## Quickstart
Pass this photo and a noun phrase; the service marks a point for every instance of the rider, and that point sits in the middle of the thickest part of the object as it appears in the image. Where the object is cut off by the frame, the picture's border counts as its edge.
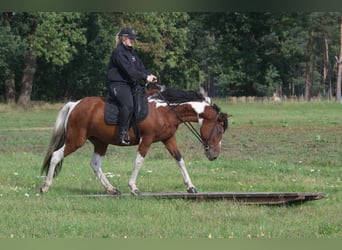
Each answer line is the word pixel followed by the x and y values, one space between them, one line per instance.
pixel 124 71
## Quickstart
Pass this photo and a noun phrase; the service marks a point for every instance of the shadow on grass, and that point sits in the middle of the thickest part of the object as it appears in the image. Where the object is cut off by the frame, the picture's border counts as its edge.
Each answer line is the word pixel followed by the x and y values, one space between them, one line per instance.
pixel 76 191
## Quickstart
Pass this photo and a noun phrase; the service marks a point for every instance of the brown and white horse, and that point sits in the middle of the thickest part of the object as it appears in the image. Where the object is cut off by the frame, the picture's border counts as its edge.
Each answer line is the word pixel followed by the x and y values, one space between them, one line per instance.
pixel 84 120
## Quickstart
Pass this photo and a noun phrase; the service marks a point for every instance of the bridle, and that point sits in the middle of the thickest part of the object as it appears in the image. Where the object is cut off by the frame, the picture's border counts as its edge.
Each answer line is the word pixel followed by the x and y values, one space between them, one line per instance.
pixel 206 144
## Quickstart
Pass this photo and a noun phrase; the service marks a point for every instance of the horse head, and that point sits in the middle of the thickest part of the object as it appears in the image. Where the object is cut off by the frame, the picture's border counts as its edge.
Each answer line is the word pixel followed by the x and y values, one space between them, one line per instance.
pixel 213 125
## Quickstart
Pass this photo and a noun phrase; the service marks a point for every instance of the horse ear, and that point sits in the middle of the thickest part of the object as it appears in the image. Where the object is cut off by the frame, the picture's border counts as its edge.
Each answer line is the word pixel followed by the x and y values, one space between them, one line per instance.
pixel 203 92
pixel 223 117
pixel 205 95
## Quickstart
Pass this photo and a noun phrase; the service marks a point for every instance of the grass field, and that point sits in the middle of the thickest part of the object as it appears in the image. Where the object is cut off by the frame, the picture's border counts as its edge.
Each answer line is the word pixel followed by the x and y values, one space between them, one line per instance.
pixel 285 147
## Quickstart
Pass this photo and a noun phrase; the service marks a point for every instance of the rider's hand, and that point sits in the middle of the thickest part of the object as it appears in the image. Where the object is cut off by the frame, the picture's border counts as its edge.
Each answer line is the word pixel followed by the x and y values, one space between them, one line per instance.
pixel 151 78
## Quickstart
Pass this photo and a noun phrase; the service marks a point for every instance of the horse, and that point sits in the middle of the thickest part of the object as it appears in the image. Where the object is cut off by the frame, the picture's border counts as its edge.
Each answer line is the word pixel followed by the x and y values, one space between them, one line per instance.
pixel 82 120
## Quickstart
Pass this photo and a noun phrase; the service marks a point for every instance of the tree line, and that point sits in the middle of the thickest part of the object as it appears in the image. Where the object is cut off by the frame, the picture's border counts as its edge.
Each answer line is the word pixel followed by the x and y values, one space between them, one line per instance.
pixel 57 56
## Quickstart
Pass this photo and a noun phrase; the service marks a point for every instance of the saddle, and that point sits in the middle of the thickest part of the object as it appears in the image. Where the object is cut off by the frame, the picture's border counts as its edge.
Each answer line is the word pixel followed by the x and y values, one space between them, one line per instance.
pixel 111 110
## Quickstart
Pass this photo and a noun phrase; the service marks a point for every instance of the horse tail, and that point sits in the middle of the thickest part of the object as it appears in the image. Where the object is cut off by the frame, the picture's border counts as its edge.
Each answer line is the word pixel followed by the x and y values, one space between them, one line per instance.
pixel 58 138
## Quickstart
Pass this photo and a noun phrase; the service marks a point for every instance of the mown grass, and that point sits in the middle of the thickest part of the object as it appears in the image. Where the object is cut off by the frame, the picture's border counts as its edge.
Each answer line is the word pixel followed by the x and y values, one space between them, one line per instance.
pixel 290 147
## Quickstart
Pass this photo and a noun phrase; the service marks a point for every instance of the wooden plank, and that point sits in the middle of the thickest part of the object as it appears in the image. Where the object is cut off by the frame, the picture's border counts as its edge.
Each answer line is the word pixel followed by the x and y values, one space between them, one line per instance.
pixel 244 197
pixel 267 198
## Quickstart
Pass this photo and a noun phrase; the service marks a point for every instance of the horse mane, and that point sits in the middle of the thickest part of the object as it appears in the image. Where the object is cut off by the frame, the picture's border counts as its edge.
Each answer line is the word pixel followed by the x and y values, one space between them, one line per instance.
pixel 175 95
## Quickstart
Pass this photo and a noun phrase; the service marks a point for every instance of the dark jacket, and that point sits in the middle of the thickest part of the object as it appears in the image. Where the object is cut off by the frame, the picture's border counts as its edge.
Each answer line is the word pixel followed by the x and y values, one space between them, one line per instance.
pixel 125 66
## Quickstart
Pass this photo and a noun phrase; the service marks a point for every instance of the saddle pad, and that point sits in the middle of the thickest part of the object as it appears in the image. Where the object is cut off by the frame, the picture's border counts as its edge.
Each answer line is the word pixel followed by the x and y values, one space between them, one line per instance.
pixel 111 113
pixel 111 110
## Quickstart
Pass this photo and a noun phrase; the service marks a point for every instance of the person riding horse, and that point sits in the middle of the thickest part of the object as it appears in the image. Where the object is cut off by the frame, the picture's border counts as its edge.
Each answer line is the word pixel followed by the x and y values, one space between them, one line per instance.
pixel 125 70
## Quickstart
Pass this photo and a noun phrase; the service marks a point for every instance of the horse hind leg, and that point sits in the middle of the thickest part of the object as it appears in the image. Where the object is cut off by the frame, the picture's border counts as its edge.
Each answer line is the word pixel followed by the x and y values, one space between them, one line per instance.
pixel 56 158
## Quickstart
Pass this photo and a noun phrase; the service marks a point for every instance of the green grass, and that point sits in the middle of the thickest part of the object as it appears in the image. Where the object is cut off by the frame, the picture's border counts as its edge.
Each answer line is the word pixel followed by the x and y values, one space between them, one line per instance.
pixel 268 147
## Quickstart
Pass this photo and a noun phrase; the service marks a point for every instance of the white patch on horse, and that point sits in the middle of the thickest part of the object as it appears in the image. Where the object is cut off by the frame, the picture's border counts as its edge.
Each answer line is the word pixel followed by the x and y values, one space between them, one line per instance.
pixel 208 100
pixel 158 103
pixel 186 177
pixel 96 163
pixel 198 107
pixel 57 156
pixel 139 160
pixel 73 105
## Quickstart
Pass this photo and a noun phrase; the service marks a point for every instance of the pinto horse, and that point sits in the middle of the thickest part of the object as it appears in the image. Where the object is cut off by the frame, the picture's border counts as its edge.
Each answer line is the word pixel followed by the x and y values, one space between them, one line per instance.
pixel 84 120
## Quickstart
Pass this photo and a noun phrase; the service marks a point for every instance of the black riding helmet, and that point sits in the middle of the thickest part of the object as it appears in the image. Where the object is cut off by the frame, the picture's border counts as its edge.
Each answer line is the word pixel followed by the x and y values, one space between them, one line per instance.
pixel 130 33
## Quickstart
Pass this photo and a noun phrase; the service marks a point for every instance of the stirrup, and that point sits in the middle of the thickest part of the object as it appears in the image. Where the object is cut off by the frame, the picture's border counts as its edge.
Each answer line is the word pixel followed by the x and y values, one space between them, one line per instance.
pixel 124 139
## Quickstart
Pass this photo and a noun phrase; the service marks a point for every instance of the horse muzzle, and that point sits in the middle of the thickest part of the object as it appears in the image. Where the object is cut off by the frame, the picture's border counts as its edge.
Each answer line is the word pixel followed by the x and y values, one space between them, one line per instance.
pixel 211 153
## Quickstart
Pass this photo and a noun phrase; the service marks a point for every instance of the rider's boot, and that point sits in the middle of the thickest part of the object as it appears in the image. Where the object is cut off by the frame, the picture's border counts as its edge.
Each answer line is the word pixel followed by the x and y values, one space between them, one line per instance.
pixel 124 122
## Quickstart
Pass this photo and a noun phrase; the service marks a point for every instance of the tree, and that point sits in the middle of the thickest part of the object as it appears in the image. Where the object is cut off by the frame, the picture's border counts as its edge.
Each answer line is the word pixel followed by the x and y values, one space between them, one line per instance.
pixel 163 46
pixel 61 56
pixel 339 63
pixel 48 35
pixel 308 66
pixel 54 37
pixel 11 51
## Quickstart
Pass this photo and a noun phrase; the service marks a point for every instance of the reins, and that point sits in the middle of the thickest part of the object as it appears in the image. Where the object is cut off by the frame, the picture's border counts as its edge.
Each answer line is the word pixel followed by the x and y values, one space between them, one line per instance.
pixel 188 124
pixel 193 130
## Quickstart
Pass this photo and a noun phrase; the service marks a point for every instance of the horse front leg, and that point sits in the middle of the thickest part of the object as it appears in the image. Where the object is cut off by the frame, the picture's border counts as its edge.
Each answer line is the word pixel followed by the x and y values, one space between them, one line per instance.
pixel 96 163
pixel 100 149
pixel 139 160
pixel 190 188
pixel 171 146
pixel 144 145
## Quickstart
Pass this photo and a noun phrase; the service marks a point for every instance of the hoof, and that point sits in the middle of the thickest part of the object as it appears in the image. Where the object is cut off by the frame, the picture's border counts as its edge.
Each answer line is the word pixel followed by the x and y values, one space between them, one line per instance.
pixel 44 189
pixel 115 192
pixel 192 190
pixel 135 192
